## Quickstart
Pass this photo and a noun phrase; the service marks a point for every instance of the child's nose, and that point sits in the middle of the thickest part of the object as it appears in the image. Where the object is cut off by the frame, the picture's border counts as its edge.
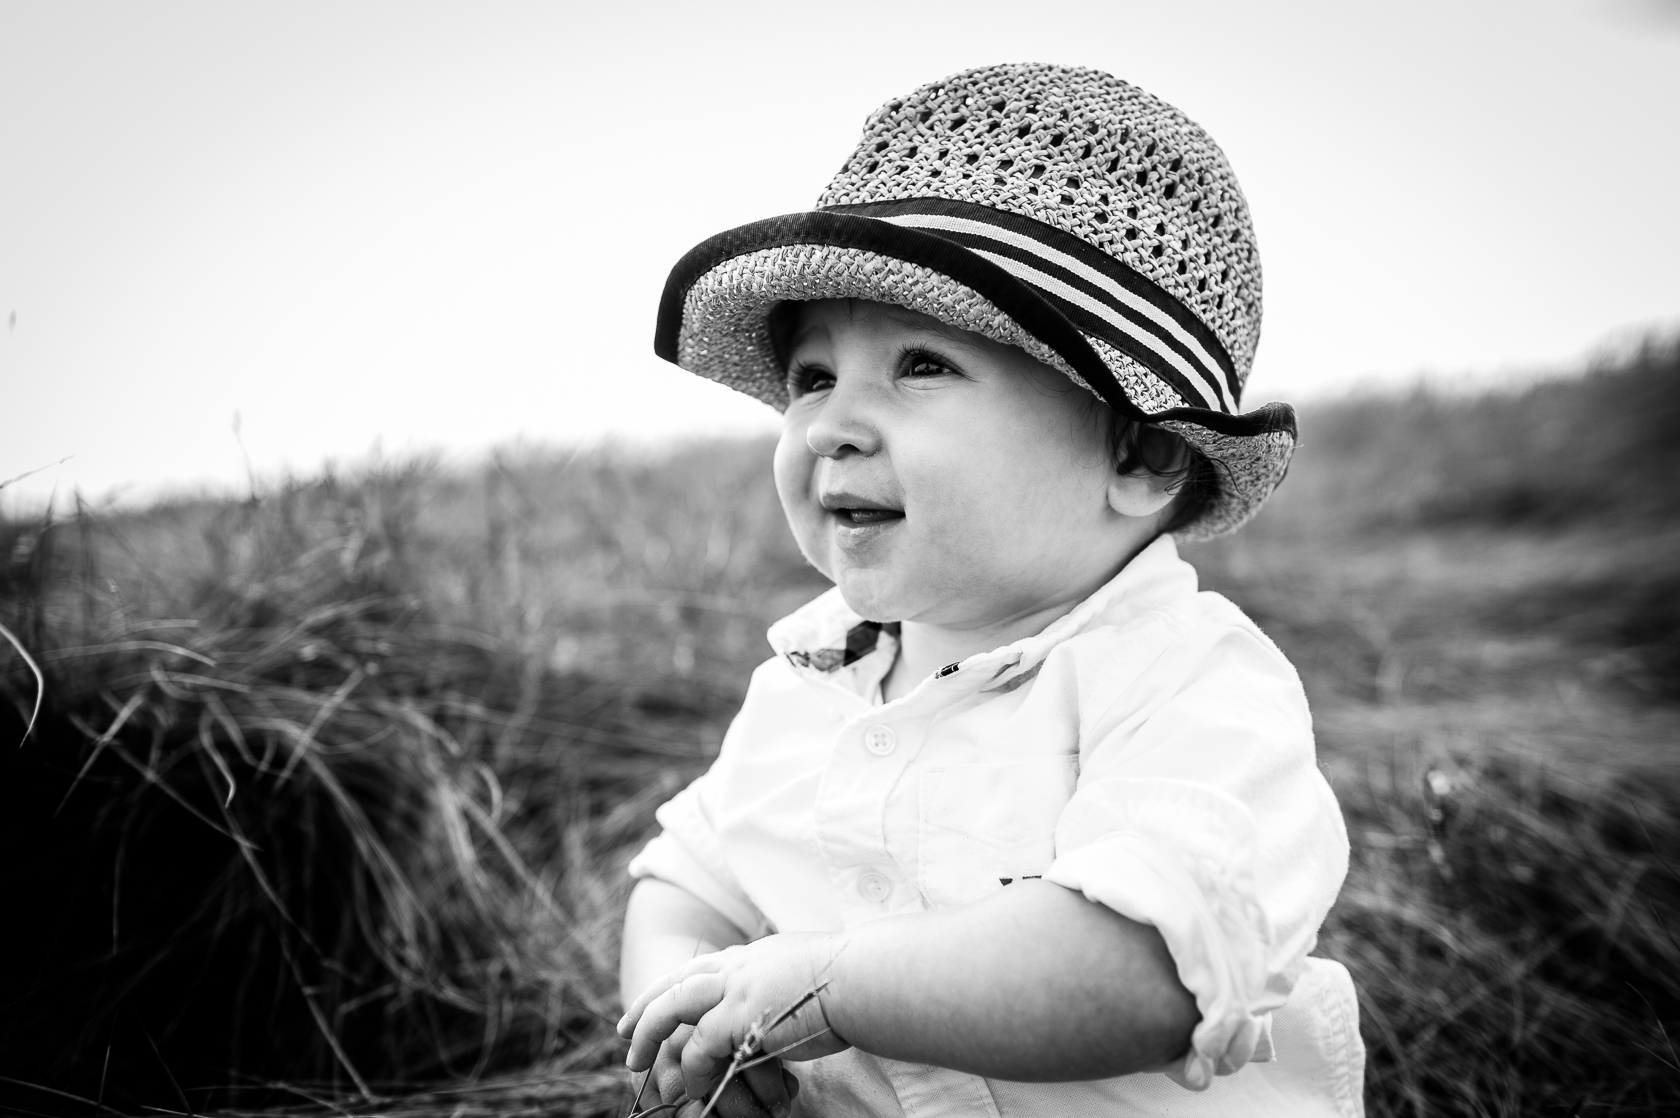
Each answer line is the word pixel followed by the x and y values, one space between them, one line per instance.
pixel 843 426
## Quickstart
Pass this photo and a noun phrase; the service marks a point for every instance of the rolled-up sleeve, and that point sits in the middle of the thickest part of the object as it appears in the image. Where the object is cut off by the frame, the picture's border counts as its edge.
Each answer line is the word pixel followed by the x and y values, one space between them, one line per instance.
pixel 1206 816
pixel 686 853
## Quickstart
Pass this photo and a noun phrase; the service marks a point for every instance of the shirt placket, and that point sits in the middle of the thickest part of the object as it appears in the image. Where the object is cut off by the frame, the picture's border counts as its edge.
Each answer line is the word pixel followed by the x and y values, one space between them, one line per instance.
pixel 870 755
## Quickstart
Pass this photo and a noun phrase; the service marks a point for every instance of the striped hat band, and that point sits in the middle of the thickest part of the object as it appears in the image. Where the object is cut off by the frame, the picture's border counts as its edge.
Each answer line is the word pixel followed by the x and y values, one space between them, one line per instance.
pixel 1097 293
pixel 1060 289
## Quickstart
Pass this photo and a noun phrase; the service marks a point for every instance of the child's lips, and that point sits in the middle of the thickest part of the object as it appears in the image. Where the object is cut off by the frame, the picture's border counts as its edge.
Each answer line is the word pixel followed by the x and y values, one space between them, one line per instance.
pixel 859 517
pixel 859 526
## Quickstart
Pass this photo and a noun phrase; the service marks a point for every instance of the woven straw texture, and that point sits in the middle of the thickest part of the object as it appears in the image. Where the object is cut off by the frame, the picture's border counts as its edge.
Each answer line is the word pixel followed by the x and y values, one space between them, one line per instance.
pixel 1075 149
pixel 1089 154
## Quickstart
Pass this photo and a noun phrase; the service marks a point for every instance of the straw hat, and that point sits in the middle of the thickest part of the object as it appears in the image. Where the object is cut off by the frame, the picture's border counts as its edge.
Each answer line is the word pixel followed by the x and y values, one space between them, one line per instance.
pixel 1056 209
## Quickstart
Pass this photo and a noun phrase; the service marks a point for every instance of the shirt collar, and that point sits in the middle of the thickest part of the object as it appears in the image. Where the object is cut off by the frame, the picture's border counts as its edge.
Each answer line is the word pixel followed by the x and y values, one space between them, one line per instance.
pixel 827 639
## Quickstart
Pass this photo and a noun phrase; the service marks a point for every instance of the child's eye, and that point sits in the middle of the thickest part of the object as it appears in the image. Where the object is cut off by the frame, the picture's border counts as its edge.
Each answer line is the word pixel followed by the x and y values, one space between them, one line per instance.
pixel 920 364
pixel 808 378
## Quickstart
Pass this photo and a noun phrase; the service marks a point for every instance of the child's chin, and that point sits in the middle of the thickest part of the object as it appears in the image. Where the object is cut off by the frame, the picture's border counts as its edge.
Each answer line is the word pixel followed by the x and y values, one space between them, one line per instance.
pixel 865 596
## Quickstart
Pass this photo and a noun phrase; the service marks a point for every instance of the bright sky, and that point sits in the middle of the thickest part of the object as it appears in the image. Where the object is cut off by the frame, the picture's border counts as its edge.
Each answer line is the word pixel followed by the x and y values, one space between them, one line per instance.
pixel 446 225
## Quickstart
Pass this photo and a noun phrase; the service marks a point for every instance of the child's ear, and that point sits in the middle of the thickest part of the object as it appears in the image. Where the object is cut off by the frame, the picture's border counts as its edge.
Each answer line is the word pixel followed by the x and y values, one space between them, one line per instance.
pixel 1140 494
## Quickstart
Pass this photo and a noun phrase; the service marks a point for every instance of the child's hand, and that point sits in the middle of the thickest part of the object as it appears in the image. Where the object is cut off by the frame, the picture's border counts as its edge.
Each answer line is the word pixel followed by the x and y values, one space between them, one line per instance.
pixel 761 1090
pixel 730 998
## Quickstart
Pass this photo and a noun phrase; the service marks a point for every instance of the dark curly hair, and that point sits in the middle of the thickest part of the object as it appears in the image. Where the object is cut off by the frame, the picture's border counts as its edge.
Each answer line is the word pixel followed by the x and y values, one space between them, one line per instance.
pixel 1135 446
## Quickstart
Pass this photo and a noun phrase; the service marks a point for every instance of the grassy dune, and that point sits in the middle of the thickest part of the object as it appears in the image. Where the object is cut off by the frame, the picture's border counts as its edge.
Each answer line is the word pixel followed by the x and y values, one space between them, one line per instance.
pixel 1483 598
pixel 331 791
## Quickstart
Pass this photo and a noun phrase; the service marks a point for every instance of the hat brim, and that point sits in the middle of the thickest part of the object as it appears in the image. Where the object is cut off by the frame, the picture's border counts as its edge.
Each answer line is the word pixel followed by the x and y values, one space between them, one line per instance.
pixel 714 322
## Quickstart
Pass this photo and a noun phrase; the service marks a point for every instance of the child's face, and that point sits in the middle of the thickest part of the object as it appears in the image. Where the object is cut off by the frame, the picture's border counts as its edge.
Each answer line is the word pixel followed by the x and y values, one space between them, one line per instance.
pixel 940 477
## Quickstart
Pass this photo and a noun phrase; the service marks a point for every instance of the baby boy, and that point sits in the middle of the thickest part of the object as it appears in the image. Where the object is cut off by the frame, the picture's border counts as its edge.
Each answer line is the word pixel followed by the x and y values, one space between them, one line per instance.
pixel 1038 822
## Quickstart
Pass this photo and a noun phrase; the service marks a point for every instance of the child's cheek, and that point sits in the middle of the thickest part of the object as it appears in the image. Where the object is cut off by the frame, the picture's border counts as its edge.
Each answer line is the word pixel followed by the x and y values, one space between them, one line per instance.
pixel 794 468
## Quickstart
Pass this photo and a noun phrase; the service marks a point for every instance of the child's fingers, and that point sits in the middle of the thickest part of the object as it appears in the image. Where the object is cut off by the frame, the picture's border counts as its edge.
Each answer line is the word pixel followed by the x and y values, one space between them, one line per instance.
pixel 761 1091
pixel 704 964
pixel 706 1056
pixel 685 1002
pixel 667 1067
pixel 769 1086
pixel 737 1102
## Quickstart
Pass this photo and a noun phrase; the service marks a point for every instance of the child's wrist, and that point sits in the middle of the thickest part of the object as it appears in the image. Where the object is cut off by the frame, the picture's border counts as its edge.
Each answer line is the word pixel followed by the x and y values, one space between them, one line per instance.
pixel 838 988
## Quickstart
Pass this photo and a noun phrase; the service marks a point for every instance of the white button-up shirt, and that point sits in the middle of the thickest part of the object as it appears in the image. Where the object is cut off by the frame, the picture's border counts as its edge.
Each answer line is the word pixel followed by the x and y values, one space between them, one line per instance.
pixel 1151 749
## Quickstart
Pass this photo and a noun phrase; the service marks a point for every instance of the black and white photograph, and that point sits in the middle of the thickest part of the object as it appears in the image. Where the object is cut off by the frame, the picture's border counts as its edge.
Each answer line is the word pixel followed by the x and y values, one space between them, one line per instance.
pixel 661 560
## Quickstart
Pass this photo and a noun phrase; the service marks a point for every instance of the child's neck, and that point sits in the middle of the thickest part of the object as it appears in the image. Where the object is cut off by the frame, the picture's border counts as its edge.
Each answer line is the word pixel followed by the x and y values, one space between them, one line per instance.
pixel 926 647
pixel 923 649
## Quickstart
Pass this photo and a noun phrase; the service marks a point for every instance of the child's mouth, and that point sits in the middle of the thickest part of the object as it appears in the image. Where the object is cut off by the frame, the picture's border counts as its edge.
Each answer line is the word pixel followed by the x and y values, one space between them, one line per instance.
pixel 861 517
pixel 857 516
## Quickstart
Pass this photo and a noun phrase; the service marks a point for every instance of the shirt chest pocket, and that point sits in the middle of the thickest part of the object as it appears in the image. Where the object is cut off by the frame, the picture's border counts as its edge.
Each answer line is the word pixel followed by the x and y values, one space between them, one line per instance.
pixel 982 827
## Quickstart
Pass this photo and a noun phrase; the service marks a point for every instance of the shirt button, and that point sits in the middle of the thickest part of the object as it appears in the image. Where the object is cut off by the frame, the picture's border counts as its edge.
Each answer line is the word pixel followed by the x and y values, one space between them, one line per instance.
pixel 880 740
pixel 874 887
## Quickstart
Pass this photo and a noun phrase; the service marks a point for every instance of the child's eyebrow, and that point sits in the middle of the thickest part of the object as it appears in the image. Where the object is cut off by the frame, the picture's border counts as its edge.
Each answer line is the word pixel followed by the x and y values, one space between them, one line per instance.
pixel 910 320
pixel 927 324
pixel 808 330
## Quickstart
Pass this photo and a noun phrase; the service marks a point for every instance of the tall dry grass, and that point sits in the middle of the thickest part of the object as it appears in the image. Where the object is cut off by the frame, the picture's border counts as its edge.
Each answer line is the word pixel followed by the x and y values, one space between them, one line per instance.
pixel 1482 597
pixel 279 822
pixel 445 705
